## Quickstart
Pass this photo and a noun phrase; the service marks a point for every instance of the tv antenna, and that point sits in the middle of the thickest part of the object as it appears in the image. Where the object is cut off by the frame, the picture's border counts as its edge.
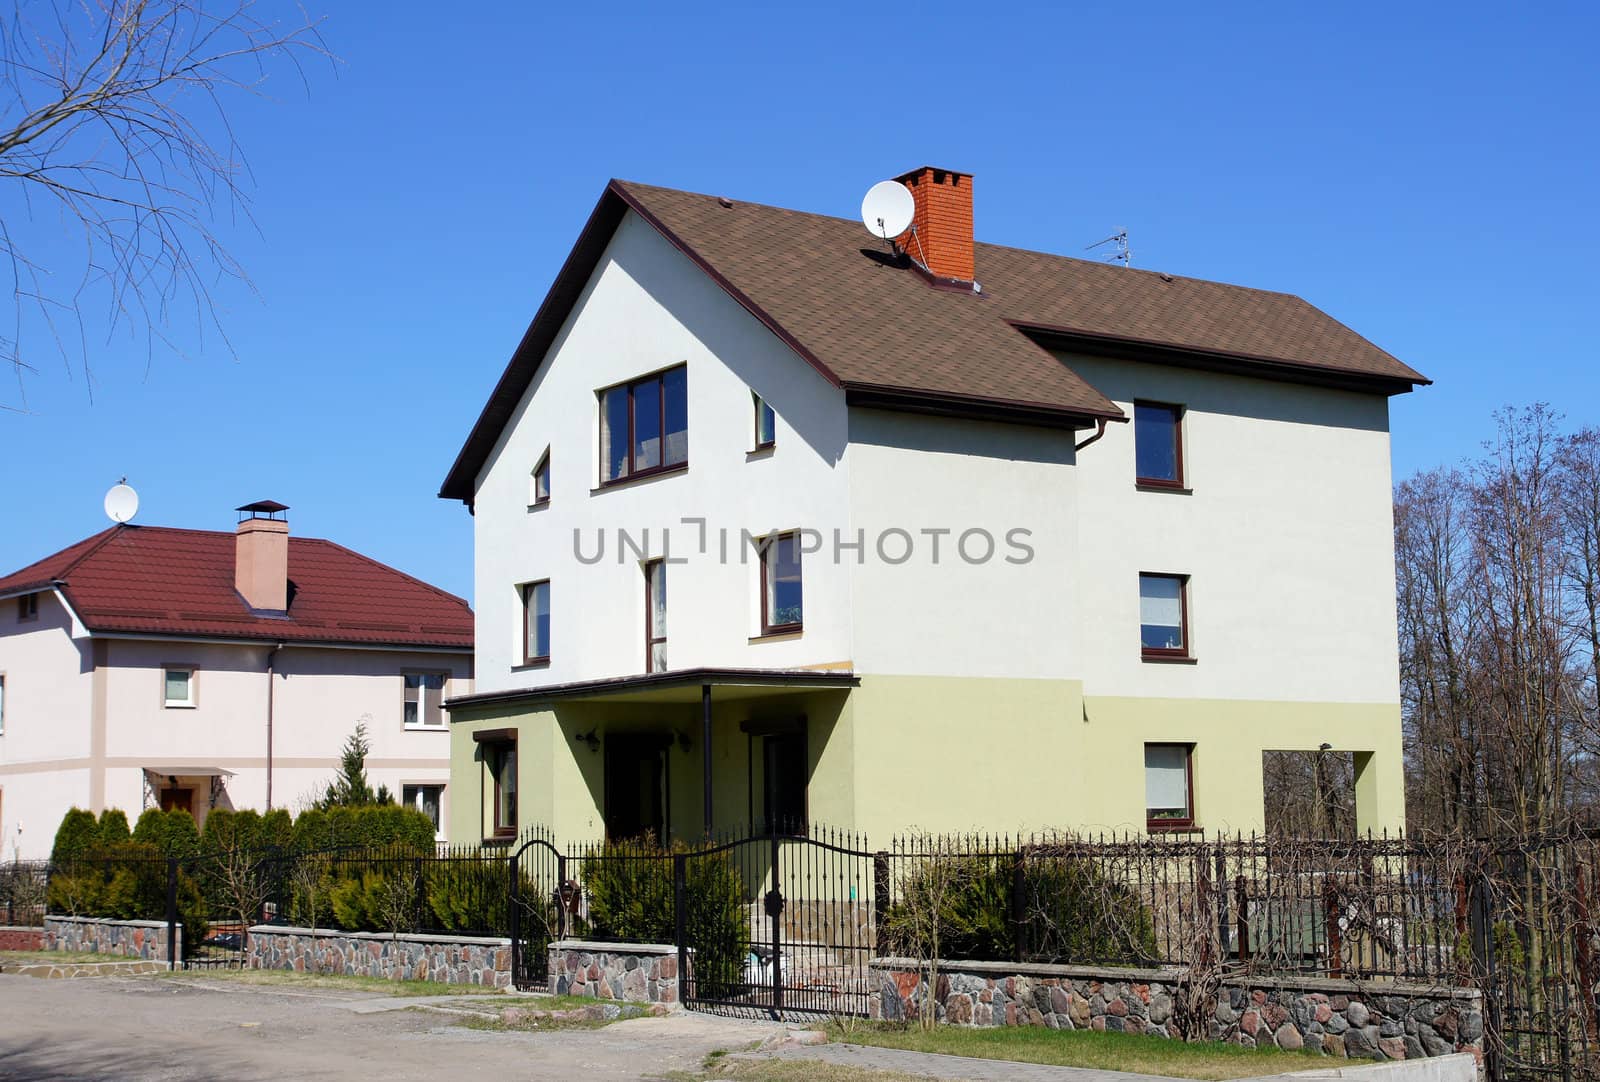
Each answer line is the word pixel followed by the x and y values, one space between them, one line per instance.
pixel 122 502
pixel 1120 252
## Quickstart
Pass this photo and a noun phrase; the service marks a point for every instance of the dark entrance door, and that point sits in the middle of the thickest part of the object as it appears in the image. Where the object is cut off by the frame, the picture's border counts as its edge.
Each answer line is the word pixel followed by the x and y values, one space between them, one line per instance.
pixel 182 799
pixel 636 786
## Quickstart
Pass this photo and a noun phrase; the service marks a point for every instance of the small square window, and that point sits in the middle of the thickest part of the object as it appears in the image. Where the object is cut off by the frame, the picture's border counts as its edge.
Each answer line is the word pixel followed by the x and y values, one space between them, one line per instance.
pixel 28 607
pixel 539 482
pixel 178 686
pixel 423 706
pixel 1168 786
pixel 536 623
pixel 427 799
pixel 1164 616
pixel 766 423
pixel 1158 444
pixel 781 610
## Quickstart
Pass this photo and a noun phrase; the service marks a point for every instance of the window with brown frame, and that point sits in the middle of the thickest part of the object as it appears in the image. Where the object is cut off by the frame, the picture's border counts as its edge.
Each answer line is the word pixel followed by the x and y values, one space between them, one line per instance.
pixel 28 607
pixel 766 423
pixel 502 761
pixel 1164 616
pixel 644 426
pixel 536 622
pixel 539 482
pixel 1158 444
pixel 655 616
pixel 781 609
pixel 1169 786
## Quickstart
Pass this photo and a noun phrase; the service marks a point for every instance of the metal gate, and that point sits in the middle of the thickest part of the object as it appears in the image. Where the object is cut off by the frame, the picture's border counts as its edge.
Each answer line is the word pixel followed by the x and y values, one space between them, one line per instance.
pixel 540 911
pixel 805 906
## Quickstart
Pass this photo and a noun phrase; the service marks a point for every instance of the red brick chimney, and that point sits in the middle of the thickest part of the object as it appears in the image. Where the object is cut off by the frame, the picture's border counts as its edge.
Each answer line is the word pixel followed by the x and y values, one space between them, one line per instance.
pixel 941 234
pixel 261 556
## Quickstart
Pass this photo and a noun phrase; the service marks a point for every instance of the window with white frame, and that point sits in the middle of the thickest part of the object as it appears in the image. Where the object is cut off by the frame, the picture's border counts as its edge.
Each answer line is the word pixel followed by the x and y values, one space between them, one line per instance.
pixel 178 686
pixel 424 699
pixel 427 799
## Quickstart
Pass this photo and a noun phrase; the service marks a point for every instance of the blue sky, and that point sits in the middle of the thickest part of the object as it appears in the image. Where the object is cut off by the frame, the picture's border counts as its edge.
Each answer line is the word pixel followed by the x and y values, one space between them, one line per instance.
pixel 1427 175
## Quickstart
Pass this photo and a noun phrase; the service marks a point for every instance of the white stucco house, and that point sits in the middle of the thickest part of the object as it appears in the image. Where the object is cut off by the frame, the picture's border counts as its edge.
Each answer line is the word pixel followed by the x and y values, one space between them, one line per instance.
pixel 156 667
pixel 780 523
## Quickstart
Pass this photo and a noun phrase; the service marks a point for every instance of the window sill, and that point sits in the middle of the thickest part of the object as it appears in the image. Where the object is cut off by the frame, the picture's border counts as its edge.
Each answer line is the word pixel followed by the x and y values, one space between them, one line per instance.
pixel 1161 827
pixel 639 478
pixel 499 841
pixel 178 706
pixel 539 506
pixel 777 636
pixel 1176 488
pixel 764 451
pixel 536 663
pixel 1169 659
pixel 420 728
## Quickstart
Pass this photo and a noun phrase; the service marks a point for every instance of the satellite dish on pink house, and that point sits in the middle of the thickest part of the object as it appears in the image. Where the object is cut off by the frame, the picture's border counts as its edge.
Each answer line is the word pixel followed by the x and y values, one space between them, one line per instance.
pixel 887 209
pixel 122 502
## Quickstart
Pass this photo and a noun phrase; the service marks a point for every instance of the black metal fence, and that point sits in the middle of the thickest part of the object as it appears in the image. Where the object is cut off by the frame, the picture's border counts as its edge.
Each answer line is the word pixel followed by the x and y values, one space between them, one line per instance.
pixel 23 887
pixel 790 922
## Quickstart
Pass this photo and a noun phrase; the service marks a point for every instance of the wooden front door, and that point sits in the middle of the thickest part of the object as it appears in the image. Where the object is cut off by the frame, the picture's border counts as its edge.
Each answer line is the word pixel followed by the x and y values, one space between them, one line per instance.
pixel 182 799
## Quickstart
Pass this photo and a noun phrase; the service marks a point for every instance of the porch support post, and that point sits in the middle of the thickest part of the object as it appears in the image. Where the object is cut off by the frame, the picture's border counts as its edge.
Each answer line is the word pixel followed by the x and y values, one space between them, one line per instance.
pixel 705 750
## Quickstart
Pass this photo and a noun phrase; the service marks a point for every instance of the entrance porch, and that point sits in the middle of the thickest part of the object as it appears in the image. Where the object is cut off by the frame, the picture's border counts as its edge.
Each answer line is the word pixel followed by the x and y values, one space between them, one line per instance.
pixel 675 755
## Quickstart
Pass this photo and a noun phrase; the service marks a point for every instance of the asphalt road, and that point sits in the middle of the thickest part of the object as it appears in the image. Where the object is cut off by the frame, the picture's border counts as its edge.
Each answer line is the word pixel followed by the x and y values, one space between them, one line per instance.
pixel 181 1028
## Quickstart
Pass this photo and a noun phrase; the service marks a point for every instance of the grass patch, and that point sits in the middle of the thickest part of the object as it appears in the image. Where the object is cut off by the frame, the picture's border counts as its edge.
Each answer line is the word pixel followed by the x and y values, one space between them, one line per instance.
pixel 543 1025
pixel 289 979
pixel 1081 1048
pixel 17 958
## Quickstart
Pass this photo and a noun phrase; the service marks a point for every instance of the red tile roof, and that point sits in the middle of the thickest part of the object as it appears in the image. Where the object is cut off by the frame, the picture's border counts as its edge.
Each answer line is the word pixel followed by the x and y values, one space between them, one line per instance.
pixel 874 328
pixel 160 581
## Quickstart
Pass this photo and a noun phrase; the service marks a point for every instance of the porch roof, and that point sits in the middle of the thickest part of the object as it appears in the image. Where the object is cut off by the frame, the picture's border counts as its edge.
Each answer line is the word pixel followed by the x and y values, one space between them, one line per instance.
pixel 679 686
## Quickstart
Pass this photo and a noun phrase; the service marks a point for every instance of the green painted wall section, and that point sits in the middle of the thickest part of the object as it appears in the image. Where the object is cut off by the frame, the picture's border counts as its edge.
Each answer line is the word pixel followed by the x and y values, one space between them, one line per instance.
pixel 939 754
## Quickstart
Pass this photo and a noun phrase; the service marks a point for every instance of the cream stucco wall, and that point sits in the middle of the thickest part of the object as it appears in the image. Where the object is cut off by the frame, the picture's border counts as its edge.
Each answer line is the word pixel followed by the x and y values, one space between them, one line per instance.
pixel 647 308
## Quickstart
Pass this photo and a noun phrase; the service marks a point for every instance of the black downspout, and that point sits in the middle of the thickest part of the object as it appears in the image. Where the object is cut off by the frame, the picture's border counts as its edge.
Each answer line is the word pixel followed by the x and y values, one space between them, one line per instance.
pixel 705 744
pixel 1099 430
pixel 272 656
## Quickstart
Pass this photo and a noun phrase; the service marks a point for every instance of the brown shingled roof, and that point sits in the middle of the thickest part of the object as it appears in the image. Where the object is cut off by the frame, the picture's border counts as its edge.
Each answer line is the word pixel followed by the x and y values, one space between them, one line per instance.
pixel 160 581
pixel 876 328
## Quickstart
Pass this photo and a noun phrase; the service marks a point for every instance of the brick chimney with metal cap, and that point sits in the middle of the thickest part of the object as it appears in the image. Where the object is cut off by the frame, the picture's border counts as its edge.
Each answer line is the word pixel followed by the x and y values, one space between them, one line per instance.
pixel 940 237
pixel 261 556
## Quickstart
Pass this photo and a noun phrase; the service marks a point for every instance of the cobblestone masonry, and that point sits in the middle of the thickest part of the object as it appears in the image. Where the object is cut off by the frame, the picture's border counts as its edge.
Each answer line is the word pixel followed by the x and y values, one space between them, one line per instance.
pixel 63 970
pixel 1344 1019
pixel 447 959
pixel 146 939
pixel 640 972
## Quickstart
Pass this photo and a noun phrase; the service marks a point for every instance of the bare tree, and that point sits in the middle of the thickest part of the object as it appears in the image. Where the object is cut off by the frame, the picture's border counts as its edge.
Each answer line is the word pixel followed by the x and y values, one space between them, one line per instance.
pixel 116 129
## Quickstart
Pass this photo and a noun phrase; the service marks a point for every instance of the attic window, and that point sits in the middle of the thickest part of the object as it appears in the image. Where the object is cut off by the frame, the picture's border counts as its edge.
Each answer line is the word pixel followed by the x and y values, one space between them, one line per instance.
pixel 644 426
pixel 539 483
pixel 28 607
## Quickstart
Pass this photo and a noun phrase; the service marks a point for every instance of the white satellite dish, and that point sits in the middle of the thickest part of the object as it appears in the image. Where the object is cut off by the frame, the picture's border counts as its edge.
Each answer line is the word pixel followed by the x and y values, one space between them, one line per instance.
pixel 887 209
pixel 122 502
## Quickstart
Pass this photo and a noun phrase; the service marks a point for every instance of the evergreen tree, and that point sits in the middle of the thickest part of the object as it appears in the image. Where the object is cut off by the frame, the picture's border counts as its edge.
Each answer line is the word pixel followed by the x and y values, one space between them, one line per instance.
pixel 350 789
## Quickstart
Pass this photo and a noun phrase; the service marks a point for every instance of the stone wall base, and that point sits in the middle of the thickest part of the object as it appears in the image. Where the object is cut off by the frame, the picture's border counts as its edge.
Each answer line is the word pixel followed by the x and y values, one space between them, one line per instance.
pixel 1342 1019
pixel 638 972
pixel 146 939
pixel 447 959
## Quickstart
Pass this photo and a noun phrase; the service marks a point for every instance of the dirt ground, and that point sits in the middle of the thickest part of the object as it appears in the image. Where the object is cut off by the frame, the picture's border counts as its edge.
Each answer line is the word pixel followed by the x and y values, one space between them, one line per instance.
pixel 191 1027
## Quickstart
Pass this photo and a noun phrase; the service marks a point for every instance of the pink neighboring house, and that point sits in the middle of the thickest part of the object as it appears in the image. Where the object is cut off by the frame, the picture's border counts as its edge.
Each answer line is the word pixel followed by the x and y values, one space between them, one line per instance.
pixel 154 667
